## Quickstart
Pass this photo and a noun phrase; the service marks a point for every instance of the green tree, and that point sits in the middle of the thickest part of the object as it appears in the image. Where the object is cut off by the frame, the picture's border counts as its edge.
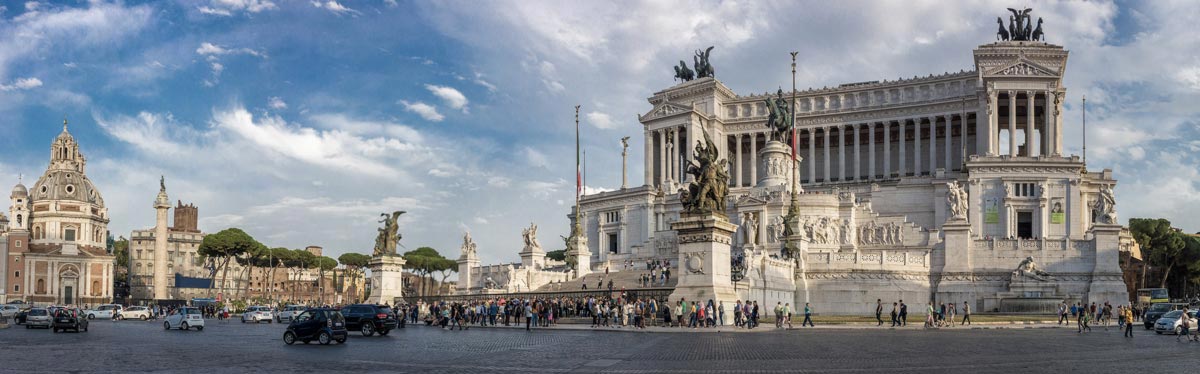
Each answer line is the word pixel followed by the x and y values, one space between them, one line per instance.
pixel 225 246
pixel 356 265
pixel 121 252
pixel 424 261
pixel 559 255
pixel 1165 247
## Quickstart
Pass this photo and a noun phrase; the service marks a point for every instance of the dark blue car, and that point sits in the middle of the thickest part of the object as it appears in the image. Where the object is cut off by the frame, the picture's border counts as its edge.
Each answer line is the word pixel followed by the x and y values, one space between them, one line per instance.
pixel 321 324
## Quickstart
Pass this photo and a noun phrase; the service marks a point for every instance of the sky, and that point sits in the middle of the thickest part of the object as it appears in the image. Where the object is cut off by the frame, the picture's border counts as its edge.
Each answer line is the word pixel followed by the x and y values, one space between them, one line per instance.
pixel 301 121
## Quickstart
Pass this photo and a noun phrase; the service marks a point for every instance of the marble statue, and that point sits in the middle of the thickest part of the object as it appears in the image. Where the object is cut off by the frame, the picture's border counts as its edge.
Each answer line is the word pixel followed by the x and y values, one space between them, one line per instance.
pixel 776 229
pixel 389 236
pixel 468 246
pixel 1106 206
pixel 956 199
pixel 1028 269
pixel 530 236
pixel 750 227
pixel 710 185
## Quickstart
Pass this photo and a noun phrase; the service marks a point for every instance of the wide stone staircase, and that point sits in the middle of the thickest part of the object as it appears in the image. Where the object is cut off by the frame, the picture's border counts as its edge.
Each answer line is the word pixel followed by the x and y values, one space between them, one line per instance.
pixel 628 279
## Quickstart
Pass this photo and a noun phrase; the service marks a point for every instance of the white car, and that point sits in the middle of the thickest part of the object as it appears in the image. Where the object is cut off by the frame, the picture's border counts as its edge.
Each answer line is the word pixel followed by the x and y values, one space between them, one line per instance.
pixel 9 310
pixel 289 312
pixel 104 311
pixel 184 318
pixel 257 314
pixel 136 312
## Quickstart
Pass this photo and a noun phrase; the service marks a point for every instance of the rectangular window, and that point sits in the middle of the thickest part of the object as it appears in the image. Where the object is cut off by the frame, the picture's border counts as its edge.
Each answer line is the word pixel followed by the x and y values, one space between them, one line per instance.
pixel 18 244
pixel 69 235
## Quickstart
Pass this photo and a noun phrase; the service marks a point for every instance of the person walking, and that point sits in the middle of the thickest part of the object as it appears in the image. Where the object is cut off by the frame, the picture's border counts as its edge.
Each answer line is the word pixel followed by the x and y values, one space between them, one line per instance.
pixel 1062 313
pixel 721 312
pixel 1185 325
pixel 903 314
pixel 778 314
pixel 966 314
pixel 807 316
pixel 754 315
pixel 787 314
pixel 895 314
pixel 737 313
pixel 879 311
pixel 528 315
pixel 1128 314
pixel 679 307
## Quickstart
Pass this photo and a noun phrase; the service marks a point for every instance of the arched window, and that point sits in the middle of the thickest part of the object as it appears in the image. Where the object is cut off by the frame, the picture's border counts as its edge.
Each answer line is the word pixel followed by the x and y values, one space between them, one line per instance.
pixel 41 286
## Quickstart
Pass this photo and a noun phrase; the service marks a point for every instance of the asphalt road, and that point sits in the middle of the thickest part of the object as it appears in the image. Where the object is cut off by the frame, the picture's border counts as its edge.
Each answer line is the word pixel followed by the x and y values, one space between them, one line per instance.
pixel 229 347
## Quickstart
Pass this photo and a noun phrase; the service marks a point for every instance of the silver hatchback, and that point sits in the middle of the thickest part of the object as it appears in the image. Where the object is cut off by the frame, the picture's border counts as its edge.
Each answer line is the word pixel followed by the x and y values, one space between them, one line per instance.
pixel 38 317
pixel 1171 323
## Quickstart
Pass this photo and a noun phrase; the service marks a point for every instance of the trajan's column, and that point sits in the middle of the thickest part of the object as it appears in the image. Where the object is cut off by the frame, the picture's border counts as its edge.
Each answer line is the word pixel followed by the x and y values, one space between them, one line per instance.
pixel 161 205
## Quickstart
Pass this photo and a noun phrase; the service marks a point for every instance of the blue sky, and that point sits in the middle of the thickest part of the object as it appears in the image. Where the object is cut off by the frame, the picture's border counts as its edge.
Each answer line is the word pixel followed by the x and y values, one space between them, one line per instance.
pixel 301 121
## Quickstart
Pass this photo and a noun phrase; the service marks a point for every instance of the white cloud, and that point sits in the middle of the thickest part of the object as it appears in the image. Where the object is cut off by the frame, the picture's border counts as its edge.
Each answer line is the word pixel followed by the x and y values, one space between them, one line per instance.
pixel 424 110
pixel 335 7
pixel 22 84
pixel 228 7
pixel 449 95
pixel 601 120
pixel 480 81
pixel 210 49
pixel 274 102
pixel 536 158
pixel 32 35
pixel 498 181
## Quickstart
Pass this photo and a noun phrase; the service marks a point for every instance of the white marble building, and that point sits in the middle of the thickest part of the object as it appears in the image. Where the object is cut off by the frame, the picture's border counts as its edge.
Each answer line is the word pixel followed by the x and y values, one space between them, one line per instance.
pixel 876 160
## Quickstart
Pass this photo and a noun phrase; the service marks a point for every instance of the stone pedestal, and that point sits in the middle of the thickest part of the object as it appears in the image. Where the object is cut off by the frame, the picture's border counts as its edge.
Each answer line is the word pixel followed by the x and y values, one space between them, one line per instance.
pixel 957 281
pixel 776 163
pixel 1107 283
pixel 532 257
pixel 582 256
pixel 704 269
pixel 387 284
pixel 466 280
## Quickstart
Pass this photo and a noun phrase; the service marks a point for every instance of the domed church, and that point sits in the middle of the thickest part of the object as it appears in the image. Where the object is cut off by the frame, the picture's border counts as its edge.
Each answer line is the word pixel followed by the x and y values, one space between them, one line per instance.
pixel 56 251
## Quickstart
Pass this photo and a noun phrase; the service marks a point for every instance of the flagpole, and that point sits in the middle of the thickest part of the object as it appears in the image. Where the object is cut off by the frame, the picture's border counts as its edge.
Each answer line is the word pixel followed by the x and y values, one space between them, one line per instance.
pixel 1085 132
pixel 792 115
pixel 578 177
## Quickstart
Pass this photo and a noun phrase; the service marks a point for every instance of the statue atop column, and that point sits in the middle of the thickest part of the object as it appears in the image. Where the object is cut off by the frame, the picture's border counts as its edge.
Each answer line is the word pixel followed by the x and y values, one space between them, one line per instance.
pixel 468 246
pixel 1106 206
pixel 530 236
pixel 389 235
pixel 707 191
pixel 779 118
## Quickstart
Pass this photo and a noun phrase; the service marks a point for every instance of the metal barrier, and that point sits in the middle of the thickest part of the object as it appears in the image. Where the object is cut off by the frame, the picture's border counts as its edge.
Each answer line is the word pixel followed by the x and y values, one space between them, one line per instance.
pixel 657 293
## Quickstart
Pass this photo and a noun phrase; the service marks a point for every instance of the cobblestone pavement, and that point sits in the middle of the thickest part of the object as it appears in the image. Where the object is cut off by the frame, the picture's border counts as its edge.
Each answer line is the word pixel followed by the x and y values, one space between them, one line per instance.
pixel 226 347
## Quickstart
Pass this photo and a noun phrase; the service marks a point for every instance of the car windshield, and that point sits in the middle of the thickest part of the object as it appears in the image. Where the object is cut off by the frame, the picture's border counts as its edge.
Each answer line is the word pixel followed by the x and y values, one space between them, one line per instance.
pixel 1173 314
pixel 191 311
pixel 255 309
pixel 37 312
pixel 384 310
pixel 1160 307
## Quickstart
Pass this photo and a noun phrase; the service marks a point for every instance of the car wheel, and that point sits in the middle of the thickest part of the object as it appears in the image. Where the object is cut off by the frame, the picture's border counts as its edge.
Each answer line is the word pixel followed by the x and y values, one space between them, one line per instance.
pixel 289 338
pixel 166 325
pixel 368 329
pixel 184 326
pixel 143 318
pixel 324 338
pixel 384 332
pixel 1179 331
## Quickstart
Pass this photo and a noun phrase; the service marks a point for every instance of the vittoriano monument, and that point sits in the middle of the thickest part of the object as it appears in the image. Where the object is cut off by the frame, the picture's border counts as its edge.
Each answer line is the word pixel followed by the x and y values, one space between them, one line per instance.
pixel 386 265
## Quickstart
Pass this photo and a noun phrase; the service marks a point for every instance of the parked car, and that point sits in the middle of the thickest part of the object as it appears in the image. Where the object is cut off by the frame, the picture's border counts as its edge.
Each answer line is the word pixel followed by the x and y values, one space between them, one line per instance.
pixel 289 312
pixel 70 319
pixel 1171 322
pixel 38 317
pixel 321 324
pixel 105 311
pixel 136 312
pixel 1158 310
pixel 257 314
pixel 184 318
pixel 369 318
pixel 9 311
pixel 21 316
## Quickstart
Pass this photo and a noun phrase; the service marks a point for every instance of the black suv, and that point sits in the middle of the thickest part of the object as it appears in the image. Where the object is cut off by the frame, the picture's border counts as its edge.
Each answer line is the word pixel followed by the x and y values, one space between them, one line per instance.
pixel 369 318
pixel 325 325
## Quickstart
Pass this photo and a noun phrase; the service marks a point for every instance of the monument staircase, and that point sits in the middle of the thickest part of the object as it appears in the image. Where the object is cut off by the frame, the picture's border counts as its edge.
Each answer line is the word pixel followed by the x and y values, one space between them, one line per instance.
pixel 628 279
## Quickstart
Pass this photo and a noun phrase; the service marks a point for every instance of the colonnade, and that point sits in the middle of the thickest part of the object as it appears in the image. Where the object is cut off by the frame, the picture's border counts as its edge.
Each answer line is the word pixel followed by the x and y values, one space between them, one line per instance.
pixel 664 160
pixel 1032 111
pixel 850 152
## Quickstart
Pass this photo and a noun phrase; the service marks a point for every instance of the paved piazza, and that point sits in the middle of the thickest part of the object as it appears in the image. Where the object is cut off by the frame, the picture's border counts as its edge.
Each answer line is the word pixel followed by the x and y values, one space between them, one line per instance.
pixel 233 347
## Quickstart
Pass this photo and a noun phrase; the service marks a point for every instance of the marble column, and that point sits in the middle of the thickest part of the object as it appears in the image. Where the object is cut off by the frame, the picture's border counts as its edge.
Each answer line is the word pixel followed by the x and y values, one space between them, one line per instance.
pixel 950 139
pixel 933 145
pixel 1012 123
pixel 738 146
pixel 825 136
pixel 649 155
pixel 1046 140
pixel 1051 127
pixel 1029 106
pixel 871 150
pixel 675 156
pixel 903 167
pixel 917 147
pixel 661 143
pixel 812 155
pixel 857 155
pixel 841 153
pixel 887 149
pixel 753 158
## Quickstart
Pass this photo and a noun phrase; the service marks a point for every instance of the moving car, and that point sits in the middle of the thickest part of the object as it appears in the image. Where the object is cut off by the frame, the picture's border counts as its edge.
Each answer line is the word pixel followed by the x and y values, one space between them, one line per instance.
pixel 1171 322
pixel 184 318
pixel 321 324
pixel 105 311
pixel 1158 310
pixel 38 317
pixel 136 312
pixel 289 312
pixel 21 316
pixel 369 318
pixel 9 311
pixel 257 314
pixel 70 319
